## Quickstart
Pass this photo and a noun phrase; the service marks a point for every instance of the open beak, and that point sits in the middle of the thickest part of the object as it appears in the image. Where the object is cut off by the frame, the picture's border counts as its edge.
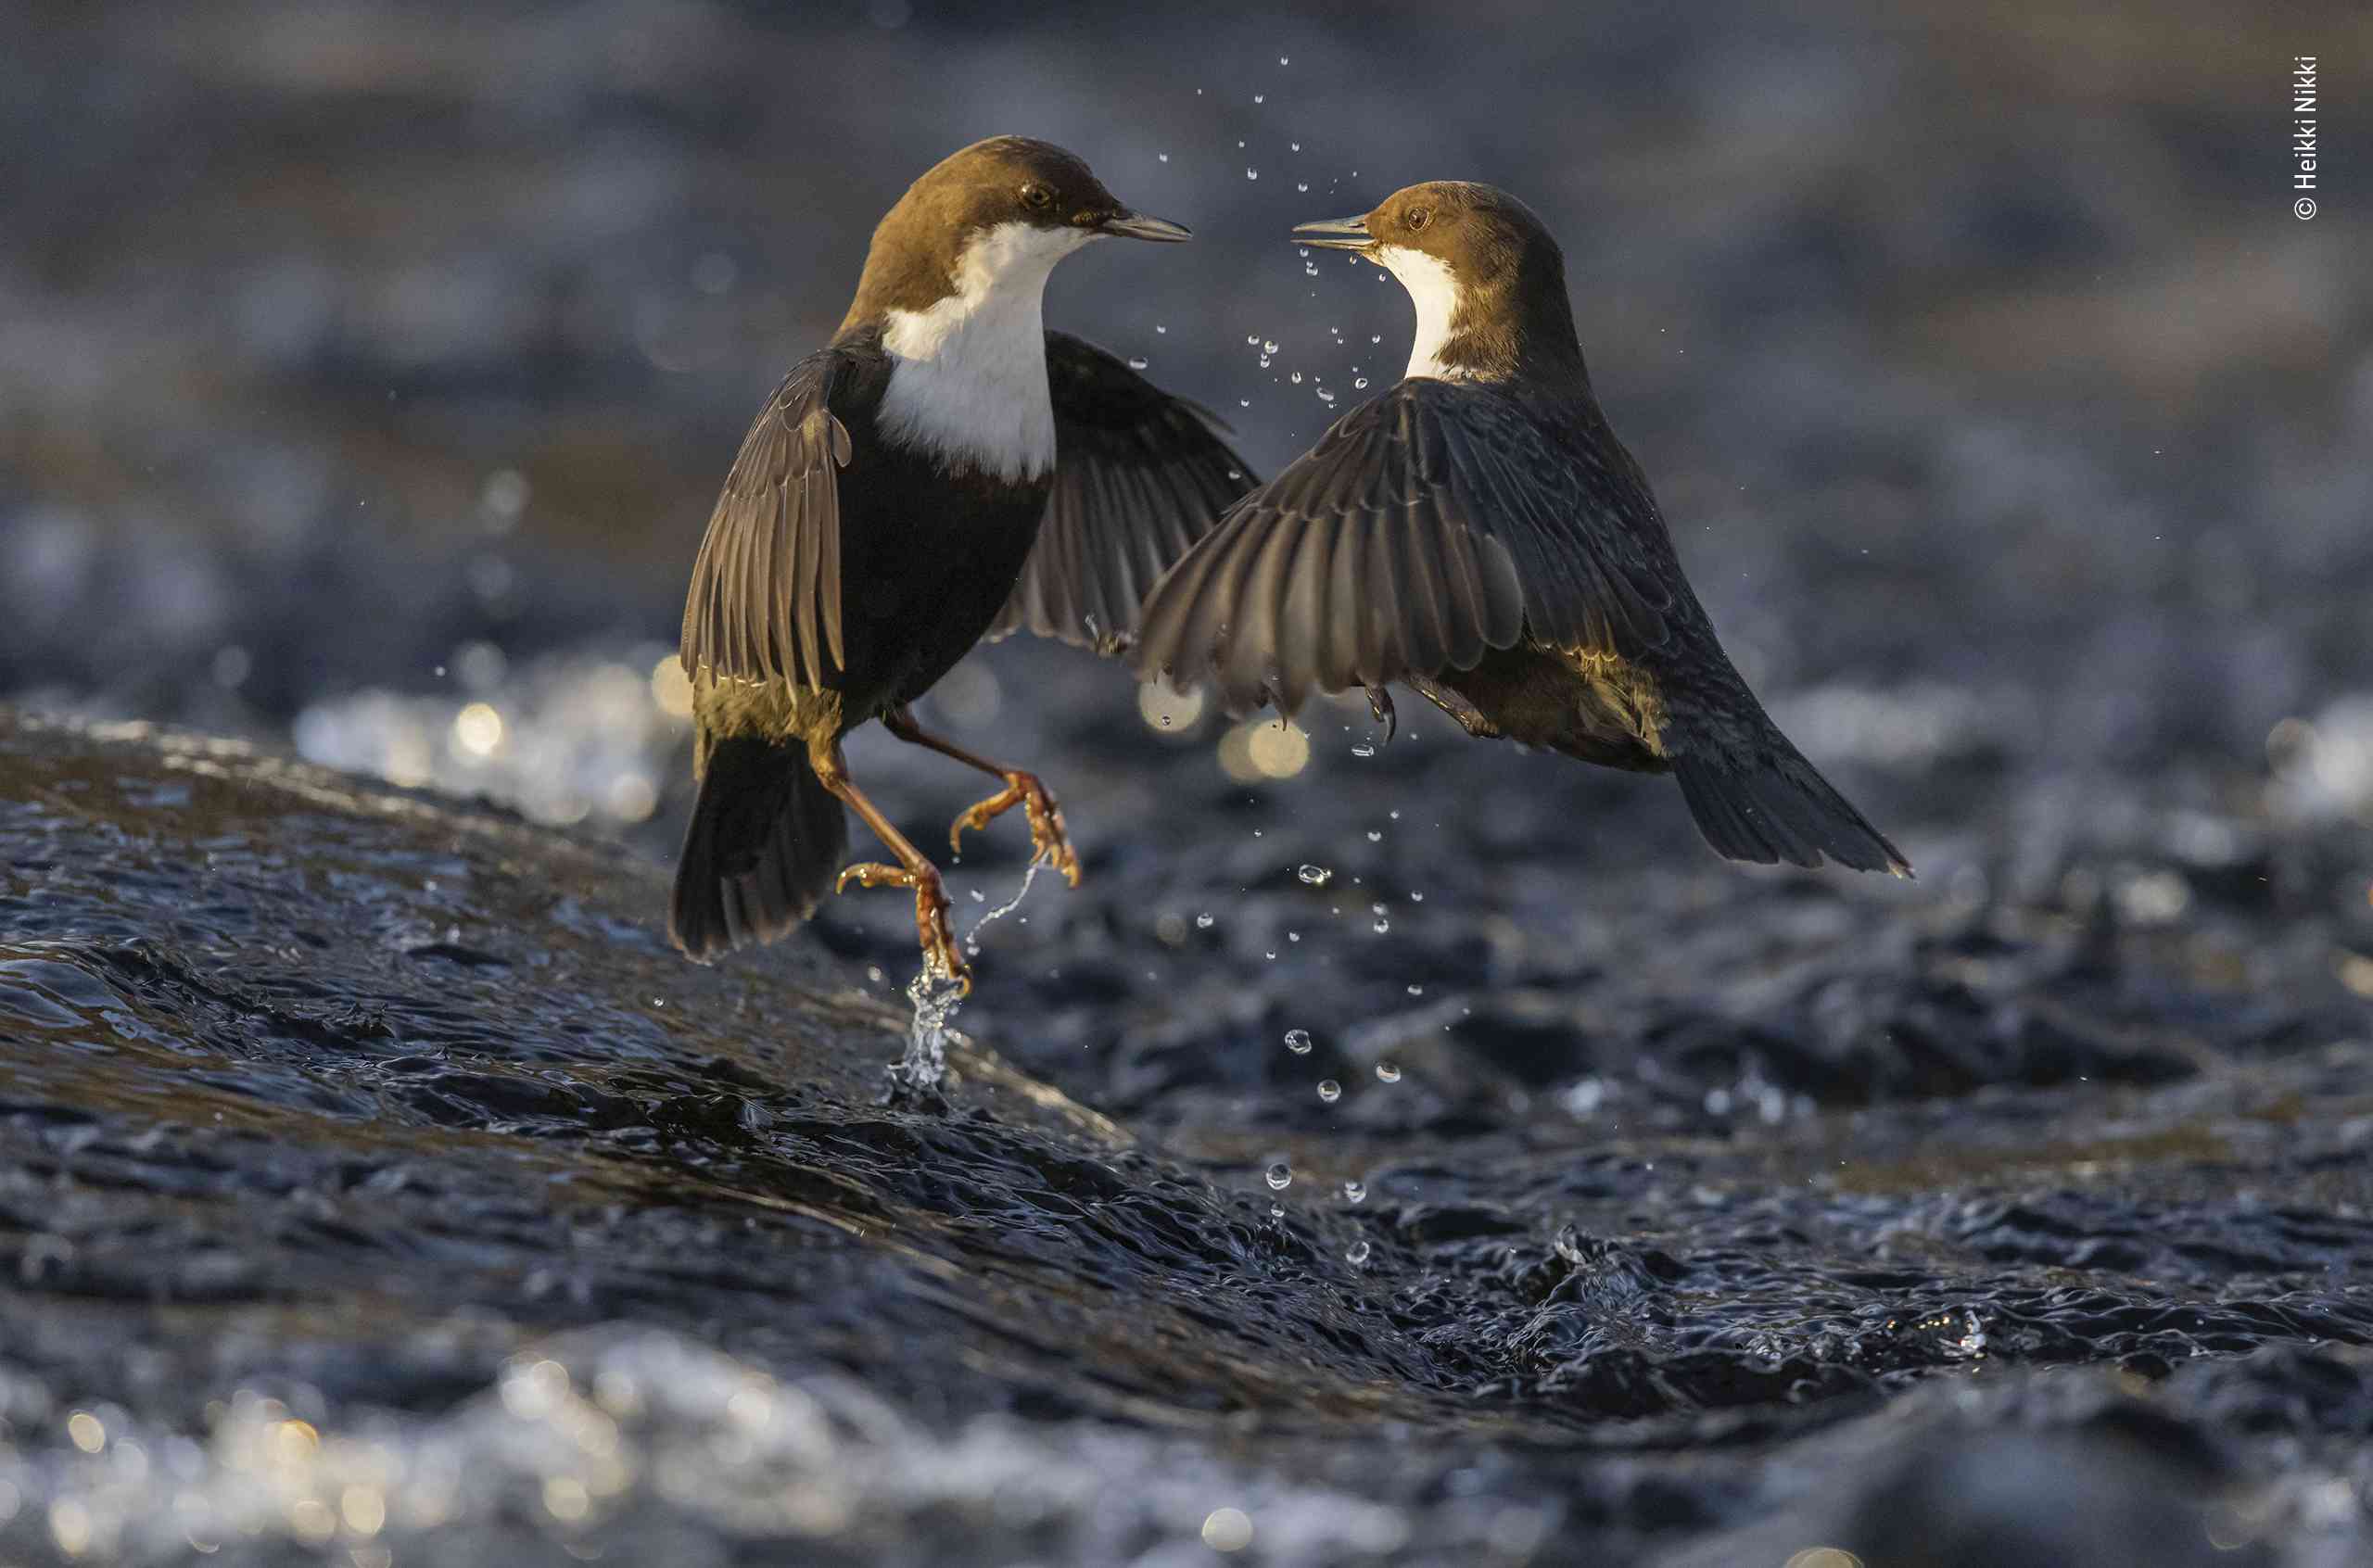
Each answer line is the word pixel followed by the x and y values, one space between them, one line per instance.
pixel 1137 225
pixel 1336 233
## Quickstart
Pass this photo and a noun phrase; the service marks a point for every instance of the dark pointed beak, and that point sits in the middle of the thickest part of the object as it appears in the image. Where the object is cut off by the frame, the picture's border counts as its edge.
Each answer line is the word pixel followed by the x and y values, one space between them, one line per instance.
pixel 1336 233
pixel 1137 225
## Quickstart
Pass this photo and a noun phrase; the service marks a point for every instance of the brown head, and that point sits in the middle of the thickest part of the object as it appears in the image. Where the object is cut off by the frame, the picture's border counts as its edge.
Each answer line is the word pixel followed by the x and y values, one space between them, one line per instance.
pixel 1486 275
pixel 995 214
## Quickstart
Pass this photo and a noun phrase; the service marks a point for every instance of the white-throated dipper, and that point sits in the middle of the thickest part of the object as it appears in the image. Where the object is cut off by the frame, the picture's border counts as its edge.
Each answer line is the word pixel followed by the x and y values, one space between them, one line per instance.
pixel 945 467
pixel 1477 533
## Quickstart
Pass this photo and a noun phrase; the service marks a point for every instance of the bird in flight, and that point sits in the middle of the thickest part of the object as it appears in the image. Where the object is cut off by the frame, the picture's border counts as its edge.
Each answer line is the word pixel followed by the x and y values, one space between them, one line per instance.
pixel 945 467
pixel 1477 535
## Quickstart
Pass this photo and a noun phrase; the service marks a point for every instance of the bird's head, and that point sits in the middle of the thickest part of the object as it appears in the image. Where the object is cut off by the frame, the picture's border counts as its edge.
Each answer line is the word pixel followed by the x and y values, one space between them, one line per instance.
pixel 993 218
pixel 1486 275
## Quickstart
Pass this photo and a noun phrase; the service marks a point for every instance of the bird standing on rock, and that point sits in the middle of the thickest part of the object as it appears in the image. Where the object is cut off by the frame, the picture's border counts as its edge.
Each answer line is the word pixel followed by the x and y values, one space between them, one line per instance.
pixel 1477 533
pixel 945 467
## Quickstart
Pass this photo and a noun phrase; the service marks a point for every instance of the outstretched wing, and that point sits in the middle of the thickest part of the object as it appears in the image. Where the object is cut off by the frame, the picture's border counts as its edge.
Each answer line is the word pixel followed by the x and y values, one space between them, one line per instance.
pixel 765 596
pixel 1437 521
pixel 1139 476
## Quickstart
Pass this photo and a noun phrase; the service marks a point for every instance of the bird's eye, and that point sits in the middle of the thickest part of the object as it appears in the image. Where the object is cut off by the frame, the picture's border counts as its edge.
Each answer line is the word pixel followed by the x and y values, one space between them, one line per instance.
pixel 1037 197
pixel 1416 219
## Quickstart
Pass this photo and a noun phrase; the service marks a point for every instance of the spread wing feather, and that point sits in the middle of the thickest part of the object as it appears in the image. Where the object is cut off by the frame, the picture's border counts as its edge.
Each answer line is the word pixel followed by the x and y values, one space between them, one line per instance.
pixel 1139 476
pixel 765 602
pixel 1436 521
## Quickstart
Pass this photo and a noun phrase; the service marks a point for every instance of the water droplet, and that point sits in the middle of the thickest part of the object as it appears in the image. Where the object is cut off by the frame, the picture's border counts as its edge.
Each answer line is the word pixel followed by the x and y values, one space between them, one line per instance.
pixel 1359 382
pixel 1364 748
pixel 1282 60
pixel 1417 898
pixel 1358 1254
pixel 1316 876
pixel 1296 146
pixel 1203 922
pixel 1329 1090
pixel 1297 378
pixel 1279 1176
pixel 1298 1042
pixel 1138 361
pixel 1416 991
pixel 1355 1192
pixel 1326 397
pixel 1302 184
pixel 1265 361
pixel 1260 97
pixel 1161 330
pixel 1164 156
pixel 1375 837
pixel 1293 936
pixel 1376 337
pixel 1276 1212
pixel 1388 1072
pixel 1252 338
pixel 1252 174
pixel 1382 925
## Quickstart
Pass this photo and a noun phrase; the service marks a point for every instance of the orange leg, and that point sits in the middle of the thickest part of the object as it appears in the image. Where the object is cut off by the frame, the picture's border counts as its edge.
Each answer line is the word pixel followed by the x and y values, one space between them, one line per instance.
pixel 1047 842
pixel 912 870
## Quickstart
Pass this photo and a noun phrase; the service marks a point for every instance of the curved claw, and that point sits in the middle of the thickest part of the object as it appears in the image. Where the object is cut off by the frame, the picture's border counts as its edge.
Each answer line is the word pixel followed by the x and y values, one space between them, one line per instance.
pixel 872 873
pixel 978 818
pixel 1048 844
pixel 931 927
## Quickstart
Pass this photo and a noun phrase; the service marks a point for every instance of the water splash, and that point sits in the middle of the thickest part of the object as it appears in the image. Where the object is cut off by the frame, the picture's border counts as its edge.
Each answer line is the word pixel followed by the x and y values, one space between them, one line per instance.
pixel 934 996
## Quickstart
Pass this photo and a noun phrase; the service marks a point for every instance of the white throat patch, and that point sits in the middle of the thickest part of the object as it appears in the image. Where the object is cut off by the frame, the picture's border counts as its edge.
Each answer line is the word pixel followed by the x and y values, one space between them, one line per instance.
pixel 968 377
pixel 1435 293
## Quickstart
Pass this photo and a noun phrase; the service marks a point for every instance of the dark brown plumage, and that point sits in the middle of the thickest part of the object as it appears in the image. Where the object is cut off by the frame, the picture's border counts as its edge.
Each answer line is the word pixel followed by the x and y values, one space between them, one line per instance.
pixel 1477 533
pixel 942 468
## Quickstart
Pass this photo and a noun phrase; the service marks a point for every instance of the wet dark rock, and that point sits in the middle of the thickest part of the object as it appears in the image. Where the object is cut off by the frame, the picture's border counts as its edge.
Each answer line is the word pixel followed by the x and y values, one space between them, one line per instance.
pixel 331 1102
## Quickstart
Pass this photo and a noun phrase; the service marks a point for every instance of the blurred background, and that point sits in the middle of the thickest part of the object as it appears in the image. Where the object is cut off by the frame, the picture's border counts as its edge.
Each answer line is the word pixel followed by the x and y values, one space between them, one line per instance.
pixel 367 375
pixel 367 370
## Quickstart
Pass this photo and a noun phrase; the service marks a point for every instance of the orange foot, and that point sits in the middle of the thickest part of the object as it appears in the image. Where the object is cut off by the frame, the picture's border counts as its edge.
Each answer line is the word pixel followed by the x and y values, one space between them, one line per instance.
pixel 1047 844
pixel 930 914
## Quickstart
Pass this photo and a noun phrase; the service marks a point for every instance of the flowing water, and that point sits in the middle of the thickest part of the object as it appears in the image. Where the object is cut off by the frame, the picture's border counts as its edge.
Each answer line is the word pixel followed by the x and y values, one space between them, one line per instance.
pixel 376 1187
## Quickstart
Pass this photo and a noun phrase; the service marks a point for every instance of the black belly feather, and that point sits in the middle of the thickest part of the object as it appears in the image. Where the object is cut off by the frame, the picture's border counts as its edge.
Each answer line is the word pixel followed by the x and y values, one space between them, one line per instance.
pixel 930 555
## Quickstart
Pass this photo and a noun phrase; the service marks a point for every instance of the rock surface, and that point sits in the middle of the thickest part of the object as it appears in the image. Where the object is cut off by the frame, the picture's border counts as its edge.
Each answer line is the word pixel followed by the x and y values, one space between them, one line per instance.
pixel 372 1177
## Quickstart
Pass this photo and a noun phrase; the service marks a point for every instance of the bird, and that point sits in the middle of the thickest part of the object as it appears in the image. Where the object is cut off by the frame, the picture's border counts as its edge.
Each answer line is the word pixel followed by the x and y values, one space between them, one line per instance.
pixel 945 468
pixel 1477 534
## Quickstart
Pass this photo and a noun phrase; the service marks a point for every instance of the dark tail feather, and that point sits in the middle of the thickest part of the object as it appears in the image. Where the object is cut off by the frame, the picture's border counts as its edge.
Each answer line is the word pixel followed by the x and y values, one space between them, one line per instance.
pixel 1781 809
pixel 766 841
